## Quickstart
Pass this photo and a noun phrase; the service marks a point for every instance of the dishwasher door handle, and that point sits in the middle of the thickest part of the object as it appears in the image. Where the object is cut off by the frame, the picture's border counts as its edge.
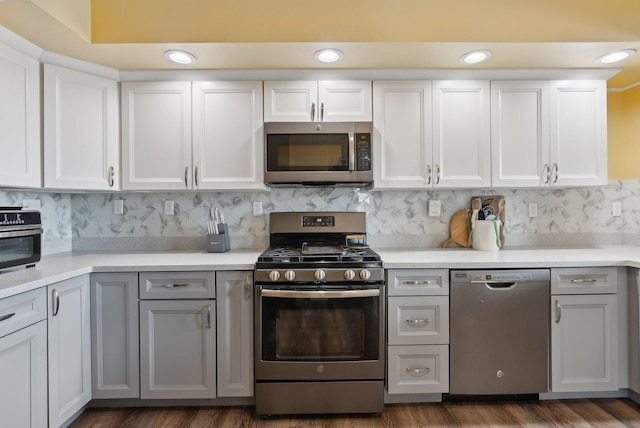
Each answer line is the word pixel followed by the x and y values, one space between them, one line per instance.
pixel 496 285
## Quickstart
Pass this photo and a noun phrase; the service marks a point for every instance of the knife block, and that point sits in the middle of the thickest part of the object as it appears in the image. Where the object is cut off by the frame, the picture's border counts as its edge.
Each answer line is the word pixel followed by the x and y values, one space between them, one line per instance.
pixel 219 243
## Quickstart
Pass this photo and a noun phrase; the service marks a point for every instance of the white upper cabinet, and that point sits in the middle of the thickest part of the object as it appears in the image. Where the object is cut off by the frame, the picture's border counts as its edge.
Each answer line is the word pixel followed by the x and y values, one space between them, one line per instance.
pixel 461 134
pixel 402 134
pixel 548 133
pixel 168 143
pixel 578 153
pixel 20 163
pixel 519 133
pixel 81 132
pixel 312 101
pixel 228 135
pixel 431 134
pixel 156 136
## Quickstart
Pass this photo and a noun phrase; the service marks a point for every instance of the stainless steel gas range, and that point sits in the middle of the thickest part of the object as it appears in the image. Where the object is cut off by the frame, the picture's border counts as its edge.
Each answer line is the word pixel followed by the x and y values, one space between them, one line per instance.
pixel 319 317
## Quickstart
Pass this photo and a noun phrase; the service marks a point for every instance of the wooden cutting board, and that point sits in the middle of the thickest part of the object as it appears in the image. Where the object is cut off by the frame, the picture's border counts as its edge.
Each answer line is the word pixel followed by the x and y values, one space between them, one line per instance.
pixel 459 229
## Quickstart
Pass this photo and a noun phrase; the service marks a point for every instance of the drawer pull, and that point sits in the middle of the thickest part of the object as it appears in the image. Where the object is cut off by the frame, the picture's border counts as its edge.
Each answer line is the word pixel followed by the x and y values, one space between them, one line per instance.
pixel 421 282
pixel 6 317
pixel 418 371
pixel 176 285
pixel 418 322
pixel 584 280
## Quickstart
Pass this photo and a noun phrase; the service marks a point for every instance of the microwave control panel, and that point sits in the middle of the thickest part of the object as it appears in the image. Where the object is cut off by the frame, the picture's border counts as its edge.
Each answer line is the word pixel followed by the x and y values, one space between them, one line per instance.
pixel 363 152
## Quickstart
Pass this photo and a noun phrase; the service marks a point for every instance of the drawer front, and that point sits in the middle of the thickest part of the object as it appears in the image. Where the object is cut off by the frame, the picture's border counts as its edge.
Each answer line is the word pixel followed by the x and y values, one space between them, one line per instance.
pixel 417 282
pixel 177 285
pixel 23 309
pixel 600 280
pixel 418 369
pixel 418 320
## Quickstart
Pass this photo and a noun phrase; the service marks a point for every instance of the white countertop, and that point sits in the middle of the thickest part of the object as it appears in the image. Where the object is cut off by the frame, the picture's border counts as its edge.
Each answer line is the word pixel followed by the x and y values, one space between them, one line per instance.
pixel 58 267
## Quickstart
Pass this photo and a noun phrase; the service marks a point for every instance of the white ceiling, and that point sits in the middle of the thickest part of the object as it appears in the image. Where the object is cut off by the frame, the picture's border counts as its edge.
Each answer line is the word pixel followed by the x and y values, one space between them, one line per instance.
pixel 403 35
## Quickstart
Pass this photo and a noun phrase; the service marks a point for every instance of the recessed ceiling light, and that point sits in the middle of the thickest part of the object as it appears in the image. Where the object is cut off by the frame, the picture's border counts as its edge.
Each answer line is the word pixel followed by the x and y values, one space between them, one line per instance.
pixel 475 57
pixel 180 57
pixel 617 56
pixel 328 56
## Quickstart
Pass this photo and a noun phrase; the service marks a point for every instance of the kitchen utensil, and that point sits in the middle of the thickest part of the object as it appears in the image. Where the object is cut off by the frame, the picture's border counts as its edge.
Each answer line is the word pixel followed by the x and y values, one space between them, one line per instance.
pixel 459 229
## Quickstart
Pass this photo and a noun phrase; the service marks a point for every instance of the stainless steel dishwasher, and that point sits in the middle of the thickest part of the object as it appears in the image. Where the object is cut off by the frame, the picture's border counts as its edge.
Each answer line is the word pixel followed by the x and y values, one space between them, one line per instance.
pixel 499 331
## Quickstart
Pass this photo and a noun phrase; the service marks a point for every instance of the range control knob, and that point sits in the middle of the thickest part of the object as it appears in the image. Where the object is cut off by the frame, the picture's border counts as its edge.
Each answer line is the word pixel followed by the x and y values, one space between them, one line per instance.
pixel 274 275
pixel 365 274
pixel 319 274
pixel 290 275
pixel 349 274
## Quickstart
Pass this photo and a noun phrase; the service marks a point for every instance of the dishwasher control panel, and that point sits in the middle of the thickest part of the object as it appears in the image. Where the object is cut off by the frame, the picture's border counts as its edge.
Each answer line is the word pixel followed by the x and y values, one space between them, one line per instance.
pixel 499 275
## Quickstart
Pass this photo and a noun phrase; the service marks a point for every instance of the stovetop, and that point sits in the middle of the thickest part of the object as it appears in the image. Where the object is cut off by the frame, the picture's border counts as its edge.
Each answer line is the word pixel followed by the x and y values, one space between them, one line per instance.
pixel 314 253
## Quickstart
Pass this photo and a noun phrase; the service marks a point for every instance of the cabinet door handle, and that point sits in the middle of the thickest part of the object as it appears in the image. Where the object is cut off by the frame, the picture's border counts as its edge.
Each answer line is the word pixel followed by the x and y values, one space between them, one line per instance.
pixel 186 176
pixel 547 173
pixel 417 282
pixel 437 174
pixel 6 317
pixel 321 110
pixel 555 172
pixel 558 311
pixel 176 285
pixel 418 370
pixel 56 302
pixel 112 176
pixel 248 289
pixel 196 176
pixel 429 174
pixel 313 110
pixel 209 316
pixel 584 280
pixel 418 322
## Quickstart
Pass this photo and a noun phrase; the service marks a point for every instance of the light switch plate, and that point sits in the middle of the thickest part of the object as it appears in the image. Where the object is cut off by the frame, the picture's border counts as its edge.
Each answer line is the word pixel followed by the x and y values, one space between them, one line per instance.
pixel 257 208
pixel 118 206
pixel 616 208
pixel 533 210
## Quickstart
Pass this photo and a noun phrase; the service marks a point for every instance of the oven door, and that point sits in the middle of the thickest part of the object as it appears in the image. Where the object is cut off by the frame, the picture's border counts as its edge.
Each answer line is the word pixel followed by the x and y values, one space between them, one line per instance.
pixel 319 333
pixel 20 247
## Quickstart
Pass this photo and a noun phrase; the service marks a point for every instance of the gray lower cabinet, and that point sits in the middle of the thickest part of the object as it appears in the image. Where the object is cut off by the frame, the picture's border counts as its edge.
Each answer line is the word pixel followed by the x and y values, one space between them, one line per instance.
pixel 234 304
pixel 177 339
pixel 23 360
pixel 115 355
pixel 69 329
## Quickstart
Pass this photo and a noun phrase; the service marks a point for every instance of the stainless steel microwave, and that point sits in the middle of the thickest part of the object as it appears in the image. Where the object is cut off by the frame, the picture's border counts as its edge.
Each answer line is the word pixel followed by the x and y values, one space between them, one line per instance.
pixel 318 154
pixel 20 237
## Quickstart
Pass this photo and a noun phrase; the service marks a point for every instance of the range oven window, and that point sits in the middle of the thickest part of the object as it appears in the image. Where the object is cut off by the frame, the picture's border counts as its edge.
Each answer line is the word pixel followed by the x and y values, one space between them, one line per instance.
pixel 320 329
pixel 308 152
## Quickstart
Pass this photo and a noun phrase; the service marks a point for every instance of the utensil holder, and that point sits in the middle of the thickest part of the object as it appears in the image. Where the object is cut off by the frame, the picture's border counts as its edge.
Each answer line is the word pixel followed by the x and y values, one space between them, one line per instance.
pixel 219 243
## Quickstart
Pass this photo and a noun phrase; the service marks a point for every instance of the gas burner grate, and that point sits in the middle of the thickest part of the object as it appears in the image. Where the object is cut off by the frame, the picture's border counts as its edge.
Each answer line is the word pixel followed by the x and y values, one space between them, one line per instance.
pixel 281 255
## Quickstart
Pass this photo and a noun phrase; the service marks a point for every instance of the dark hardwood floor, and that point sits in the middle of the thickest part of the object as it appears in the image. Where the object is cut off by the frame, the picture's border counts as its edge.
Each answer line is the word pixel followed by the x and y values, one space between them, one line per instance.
pixel 559 413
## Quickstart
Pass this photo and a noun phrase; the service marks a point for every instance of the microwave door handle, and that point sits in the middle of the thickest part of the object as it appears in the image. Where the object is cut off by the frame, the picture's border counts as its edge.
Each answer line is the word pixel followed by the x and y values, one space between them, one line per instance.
pixel 352 152
pixel 20 233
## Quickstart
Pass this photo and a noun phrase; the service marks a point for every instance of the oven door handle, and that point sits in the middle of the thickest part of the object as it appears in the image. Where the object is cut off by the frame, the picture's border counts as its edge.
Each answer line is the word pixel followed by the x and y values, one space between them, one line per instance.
pixel 320 294
pixel 19 233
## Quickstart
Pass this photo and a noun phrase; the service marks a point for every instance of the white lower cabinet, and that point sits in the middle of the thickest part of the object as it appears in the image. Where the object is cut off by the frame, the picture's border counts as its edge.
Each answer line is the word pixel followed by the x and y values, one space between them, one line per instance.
pixel 115 355
pixel 418 331
pixel 584 335
pixel 69 329
pixel 177 336
pixel 23 360
pixel 234 309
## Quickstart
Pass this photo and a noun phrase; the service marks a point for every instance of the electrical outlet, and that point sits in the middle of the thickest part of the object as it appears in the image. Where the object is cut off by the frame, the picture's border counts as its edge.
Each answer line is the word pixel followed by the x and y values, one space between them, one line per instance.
pixel 435 207
pixel 257 208
pixel 168 207
pixel 616 209
pixel 533 210
pixel 118 206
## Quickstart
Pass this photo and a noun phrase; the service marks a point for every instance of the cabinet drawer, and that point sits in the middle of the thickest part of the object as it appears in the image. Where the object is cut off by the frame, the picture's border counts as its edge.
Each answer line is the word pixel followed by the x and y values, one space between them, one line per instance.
pixel 177 285
pixel 417 282
pixel 418 321
pixel 418 369
pixel 21 310
pixel 600 280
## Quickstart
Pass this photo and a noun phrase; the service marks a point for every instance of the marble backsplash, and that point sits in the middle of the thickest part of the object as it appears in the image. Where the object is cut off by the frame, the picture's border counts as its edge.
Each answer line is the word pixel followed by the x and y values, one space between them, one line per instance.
pixel 86 221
